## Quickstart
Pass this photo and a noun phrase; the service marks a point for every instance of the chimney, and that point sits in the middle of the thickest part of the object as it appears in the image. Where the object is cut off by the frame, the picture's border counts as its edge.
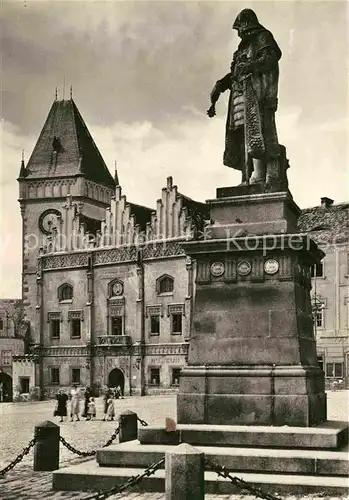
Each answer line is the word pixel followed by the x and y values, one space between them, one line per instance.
pixel 326 202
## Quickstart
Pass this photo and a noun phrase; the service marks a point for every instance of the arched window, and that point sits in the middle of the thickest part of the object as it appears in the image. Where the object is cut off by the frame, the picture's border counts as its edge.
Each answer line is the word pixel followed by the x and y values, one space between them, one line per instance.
pixel 164 284
pixel 65 292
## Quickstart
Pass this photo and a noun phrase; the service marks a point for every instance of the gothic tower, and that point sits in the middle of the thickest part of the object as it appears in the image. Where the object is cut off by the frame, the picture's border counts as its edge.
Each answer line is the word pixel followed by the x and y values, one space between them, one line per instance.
pixel 65 162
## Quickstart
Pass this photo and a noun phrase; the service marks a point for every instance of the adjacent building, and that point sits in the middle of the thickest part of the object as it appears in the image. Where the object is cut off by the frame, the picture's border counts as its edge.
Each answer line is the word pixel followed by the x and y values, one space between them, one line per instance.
pixel 328 225
pixel 108 291
pixel 12 342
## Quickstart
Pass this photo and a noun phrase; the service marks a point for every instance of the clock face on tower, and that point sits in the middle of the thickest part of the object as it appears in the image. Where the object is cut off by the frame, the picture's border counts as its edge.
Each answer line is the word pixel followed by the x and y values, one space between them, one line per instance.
pixel 48 220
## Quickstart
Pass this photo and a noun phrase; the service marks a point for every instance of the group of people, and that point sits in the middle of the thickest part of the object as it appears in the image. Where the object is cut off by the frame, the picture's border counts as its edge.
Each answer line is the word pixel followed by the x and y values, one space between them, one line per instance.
pixel 89 408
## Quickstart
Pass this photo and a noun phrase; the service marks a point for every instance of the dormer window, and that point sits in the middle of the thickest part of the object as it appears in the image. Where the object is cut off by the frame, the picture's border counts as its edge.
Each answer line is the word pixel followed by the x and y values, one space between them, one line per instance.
pixel 65 293
pixel 165 285
pixel 56 144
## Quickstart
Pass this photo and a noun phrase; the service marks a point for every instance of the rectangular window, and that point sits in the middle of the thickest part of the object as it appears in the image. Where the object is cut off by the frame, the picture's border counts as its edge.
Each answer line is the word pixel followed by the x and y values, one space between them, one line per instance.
pixel 338 370
pixel 55 376
pixel 154 376
pixel 75 376
pixel 116 325
pixel 317 270
pixel 176 324
pixel 75 328
pixel 6 358
pixel 154 325
pixel 175 376
pixel 334 370
pixel 24 385
pixel 1 324
pixel 318 319
pixel 55 328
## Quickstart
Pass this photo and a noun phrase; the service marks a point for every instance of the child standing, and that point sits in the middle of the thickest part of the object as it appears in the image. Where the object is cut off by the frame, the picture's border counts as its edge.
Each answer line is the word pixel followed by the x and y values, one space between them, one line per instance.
pixel 110 409
pixel 91 409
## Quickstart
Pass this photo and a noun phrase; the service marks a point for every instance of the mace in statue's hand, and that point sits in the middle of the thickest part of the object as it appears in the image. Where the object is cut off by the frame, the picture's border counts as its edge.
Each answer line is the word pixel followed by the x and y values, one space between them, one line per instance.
pixel 211 111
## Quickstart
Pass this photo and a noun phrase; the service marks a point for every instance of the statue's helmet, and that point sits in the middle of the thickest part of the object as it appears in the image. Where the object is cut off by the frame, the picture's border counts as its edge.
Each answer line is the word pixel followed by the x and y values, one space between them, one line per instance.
pixel 246 21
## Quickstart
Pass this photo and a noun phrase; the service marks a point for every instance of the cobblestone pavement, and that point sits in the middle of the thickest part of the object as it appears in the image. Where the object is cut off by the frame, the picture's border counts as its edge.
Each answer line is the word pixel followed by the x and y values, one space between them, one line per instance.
pixel 17 423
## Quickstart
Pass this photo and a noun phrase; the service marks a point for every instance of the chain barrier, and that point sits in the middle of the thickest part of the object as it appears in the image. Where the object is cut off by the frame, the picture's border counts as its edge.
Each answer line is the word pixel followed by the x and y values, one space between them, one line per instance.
pixel 133 481
pixel 142 422
pixel 240 483
pixel 19 458
pixel 88 453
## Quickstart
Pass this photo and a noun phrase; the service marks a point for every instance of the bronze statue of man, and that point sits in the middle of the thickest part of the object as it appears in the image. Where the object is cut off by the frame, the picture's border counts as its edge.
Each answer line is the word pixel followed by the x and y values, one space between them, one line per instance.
pixel 251 143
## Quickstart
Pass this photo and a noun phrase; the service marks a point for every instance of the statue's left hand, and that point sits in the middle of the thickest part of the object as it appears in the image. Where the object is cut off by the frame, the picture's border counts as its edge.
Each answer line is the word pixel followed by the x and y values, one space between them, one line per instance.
pixel 211 111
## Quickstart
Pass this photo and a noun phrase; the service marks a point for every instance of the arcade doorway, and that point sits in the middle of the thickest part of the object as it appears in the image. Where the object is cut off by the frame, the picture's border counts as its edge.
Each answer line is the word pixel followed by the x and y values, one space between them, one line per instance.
pixel 5 388
pixel 116 378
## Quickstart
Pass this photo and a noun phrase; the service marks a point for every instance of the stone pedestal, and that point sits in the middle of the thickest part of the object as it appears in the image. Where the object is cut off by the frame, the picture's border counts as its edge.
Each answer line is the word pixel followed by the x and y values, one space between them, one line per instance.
pixel 128 426
pixel 185 473
pixel 252 357
pixel 46 451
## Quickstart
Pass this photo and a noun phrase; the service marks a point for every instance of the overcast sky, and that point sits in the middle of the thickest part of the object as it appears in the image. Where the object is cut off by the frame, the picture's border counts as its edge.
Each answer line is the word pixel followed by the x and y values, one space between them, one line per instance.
pixel 142 73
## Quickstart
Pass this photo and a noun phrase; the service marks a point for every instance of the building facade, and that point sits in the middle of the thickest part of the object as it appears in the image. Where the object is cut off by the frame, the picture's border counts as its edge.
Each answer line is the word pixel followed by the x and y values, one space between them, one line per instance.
pixel 107 289
pixel 328 225
pixel 12 343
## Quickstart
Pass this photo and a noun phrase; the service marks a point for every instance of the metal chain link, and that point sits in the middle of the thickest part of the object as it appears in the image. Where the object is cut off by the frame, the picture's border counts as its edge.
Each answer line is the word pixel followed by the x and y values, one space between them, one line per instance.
pixel 19 458
pixel 240 483
pixel 88 453
pixel 133 481
pixel 142 422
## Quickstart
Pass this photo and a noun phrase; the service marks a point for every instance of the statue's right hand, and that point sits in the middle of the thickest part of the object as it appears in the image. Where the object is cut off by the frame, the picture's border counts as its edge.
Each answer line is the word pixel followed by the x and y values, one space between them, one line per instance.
pixel 211 112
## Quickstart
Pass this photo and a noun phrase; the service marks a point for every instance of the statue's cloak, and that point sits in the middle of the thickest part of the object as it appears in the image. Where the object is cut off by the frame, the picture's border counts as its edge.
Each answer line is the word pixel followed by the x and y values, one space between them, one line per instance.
pixel 250 128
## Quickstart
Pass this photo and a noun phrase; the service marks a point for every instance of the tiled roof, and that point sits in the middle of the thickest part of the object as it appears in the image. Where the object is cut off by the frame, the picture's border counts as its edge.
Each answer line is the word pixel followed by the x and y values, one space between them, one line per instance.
pixel 326 224
pixel 199 212
pixel 65 148
pixel 142 214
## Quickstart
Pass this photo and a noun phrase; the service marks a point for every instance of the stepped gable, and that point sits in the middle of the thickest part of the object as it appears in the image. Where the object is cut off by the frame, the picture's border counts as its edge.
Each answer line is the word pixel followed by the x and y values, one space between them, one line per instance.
pixel 65 148
pixel 124 221
pixel 326 223
pixel 176 216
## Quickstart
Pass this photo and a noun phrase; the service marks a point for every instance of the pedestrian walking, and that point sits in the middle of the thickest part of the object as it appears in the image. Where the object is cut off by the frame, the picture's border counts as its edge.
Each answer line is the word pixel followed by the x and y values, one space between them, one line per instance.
pixel 120 392
pixel 61 405
pixel 91 409
pixel 106 396
pixel 110 409
pixel 87 396
pixel 75 403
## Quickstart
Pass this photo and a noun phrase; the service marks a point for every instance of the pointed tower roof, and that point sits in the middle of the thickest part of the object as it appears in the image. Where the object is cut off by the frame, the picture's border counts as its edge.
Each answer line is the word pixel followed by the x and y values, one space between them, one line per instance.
pixel 65 148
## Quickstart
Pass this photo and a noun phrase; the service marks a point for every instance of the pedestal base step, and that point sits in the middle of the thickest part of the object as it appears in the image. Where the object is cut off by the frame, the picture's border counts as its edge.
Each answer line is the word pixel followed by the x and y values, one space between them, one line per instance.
pixel 88 476
pixel 331 435
pixel 313 462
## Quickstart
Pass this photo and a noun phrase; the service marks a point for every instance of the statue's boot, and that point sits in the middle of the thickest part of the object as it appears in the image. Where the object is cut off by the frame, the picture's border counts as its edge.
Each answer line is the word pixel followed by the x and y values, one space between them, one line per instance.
pixel 244 181
pixel 258 174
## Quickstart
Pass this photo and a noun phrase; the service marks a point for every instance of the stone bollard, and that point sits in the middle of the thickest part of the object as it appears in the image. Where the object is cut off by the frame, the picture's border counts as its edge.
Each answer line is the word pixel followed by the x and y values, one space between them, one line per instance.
pixel 184 473
pixel 46 450
pixel 128 426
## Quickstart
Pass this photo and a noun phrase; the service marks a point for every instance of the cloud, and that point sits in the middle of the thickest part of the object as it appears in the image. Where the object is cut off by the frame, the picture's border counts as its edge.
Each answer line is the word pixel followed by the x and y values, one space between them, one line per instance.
pixel 131 61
